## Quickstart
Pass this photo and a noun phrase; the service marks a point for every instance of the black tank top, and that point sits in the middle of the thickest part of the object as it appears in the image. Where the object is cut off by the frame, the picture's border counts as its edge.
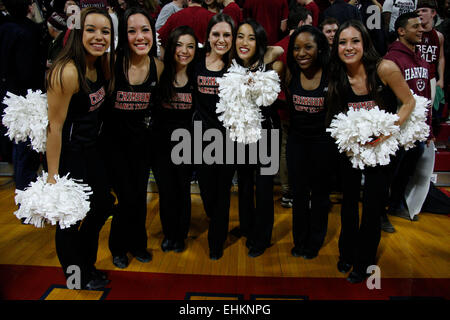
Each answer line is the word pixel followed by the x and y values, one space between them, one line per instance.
pixel 178 112
pixel 386 99
pixel 83 122
pixel 307 109
pixel 131 105
pixel 207 95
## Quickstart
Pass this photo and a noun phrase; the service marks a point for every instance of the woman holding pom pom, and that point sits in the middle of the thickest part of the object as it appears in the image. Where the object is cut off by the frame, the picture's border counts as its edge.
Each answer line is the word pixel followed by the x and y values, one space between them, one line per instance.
pixel 174 112
pixel 309 147
pixel 78 83
pixel 137 72
pixel 256 207
pixel 359 78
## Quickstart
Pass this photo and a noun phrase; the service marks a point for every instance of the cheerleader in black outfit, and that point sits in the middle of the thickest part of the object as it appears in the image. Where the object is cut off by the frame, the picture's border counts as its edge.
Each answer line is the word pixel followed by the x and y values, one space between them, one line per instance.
pixel 174 112
pixel 309 147
pixel 214 179
pixel 127 130
pixel 359 78
pixel 256 218
pixel 77 87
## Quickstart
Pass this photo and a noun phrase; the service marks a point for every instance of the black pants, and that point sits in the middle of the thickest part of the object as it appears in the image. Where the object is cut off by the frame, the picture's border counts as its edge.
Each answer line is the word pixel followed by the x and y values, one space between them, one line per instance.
pixel 256 208
pixel 78 244
pixel 174 187
pixel 403 167
pixel 215 184
pixel 358 243
pixel 130 167
pixel 309 168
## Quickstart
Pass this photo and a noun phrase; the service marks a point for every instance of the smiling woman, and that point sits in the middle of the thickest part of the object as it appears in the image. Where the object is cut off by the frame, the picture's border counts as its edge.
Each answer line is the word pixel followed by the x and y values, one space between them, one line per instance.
pixel 174 112
pixel 309 147
pixel 214 180
pixel 127 134
pixel 359 78
pixel 76 94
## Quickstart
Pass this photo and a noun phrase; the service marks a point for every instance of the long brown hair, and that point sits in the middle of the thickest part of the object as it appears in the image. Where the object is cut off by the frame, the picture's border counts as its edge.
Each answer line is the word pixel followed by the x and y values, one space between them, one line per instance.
pixel 75 51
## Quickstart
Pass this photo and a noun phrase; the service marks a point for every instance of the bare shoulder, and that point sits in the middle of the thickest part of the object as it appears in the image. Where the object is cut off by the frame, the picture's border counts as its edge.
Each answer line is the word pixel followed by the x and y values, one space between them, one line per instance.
pixel 65 78
pixel 386 68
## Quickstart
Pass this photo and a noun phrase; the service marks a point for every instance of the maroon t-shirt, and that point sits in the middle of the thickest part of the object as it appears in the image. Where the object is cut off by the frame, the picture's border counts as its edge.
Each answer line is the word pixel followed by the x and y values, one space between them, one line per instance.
pixel 195 17
pixel 233 11
pixel 269 13
pixel 312 6
pixel 429 50
pixel 415 70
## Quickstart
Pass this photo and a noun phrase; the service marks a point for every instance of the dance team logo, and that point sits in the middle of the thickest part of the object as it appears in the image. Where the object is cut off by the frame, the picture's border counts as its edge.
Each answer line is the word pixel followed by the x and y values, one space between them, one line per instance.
pixel 265 152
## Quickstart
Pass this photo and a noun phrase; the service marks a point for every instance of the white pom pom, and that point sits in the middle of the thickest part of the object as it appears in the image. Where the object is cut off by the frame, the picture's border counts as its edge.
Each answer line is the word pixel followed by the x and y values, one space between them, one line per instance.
pixel 26 117
pixel 65 202
pixel 241 94
pixel 415 128
pixel 355 129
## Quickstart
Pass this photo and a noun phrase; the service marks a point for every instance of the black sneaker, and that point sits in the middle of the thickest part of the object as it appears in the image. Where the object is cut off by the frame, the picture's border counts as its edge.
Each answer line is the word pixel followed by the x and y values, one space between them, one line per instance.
pixel 167 245
pixel 286 202
pixel 297 251
pixel 343 267
pixel 255 252
pixel 386 225
pixel 179 246
pixel 96 284
pixel 143 256
pixel 121 261
pixel 356 277
pixel 215 254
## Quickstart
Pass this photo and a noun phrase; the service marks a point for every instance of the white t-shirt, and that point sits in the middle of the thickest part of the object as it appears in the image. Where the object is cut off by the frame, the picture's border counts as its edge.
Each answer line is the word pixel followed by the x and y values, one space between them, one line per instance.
pixel 397 8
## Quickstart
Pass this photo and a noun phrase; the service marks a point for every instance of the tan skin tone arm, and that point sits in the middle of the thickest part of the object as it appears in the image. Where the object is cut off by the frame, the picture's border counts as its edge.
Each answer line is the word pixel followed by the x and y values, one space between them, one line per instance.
pixel 58 104
pixel 391 76
pixel 272 53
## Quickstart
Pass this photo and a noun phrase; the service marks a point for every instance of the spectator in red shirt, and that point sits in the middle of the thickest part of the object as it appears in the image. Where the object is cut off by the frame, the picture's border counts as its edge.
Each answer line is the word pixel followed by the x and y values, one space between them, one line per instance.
pixel 271 14
pixel 311 6
pixel 194 16
pixel 231 8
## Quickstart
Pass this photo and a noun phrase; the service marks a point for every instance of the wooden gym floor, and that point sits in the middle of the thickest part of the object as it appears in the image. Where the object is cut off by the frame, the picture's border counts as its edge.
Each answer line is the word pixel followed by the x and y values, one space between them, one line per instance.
pixel 416 250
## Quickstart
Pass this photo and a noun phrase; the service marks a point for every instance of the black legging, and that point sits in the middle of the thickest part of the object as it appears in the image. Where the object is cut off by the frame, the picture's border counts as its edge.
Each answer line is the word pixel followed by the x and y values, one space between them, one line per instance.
pixel 174 188
pixel 256 207
pixel 358 244
pixel 309 168
pixel 130 166
pixel 215 185
pixel 78 244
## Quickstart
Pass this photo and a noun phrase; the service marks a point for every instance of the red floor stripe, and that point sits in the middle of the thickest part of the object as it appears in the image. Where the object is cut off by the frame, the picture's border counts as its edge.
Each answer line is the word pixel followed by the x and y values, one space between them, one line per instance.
pixel 31 283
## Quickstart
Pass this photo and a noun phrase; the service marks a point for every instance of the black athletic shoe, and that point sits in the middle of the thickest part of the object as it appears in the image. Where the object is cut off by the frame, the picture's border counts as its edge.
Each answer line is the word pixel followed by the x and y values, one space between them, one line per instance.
pixel 121 261
pixel 142 256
